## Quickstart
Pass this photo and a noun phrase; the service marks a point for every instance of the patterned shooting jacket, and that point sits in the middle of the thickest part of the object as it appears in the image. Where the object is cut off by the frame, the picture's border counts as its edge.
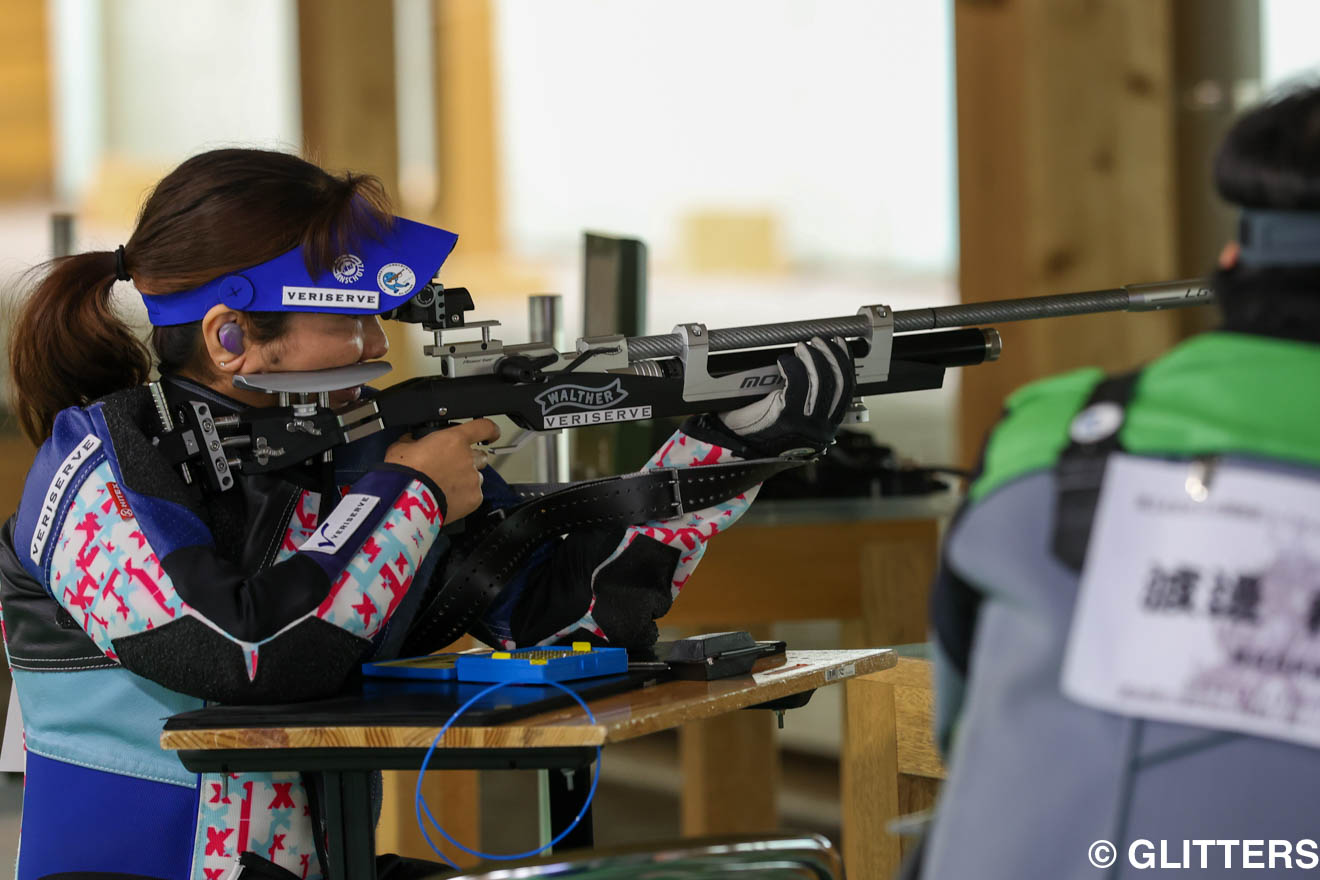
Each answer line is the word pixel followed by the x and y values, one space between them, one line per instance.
pixel 129 596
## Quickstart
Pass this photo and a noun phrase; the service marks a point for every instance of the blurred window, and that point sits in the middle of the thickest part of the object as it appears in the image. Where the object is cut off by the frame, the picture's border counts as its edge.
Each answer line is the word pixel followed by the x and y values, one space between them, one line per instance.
pixel 834 119
pixel 148 83
pixel 1288 48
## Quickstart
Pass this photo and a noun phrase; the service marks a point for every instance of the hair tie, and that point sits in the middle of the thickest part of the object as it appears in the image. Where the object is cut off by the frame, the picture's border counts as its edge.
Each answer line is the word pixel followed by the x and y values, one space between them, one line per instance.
pixel 121 273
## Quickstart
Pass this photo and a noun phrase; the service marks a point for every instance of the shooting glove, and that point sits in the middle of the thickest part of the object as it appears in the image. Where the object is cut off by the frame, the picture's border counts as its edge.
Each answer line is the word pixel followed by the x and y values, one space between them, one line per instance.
pixel 611 585
pixel 802 416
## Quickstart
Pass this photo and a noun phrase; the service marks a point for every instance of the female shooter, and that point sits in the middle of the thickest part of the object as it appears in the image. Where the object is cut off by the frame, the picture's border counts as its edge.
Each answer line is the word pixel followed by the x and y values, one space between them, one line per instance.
pixel 131 594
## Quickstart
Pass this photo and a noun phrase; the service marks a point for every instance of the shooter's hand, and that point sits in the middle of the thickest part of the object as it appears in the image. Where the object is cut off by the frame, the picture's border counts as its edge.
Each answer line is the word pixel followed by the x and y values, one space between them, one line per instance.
pixel 801 416
pixel 447 456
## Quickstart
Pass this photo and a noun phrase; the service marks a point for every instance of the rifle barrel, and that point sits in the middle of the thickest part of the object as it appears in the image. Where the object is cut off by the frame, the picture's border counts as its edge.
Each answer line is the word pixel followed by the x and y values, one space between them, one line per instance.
pixel 1132 298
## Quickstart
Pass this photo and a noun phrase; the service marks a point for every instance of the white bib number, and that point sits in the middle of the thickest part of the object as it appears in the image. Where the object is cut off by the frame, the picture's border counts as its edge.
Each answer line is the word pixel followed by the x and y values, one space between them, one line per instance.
pixel 1201 604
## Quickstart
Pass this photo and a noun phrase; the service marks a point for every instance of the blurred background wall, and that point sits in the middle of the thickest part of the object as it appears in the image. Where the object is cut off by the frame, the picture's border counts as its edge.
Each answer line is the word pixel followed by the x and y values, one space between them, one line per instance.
pixel 782 159
pixel 753 146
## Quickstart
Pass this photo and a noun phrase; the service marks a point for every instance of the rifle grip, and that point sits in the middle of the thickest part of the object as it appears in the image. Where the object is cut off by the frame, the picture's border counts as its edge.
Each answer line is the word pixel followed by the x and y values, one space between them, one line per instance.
pixel 421 430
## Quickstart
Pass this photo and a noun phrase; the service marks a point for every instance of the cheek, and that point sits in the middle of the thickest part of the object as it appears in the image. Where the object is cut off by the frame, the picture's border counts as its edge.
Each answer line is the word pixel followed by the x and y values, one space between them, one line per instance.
pixel 343 352
pixel 352 347
pixel 322 351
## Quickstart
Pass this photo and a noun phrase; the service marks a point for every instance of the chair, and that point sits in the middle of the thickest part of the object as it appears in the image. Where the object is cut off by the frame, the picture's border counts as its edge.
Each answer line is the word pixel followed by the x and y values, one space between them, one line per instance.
pixel 766 857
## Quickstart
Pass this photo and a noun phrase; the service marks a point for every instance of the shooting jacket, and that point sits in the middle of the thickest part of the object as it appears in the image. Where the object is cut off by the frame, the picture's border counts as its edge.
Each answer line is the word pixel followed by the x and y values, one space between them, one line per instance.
pixel 129 596
pixel 1035 778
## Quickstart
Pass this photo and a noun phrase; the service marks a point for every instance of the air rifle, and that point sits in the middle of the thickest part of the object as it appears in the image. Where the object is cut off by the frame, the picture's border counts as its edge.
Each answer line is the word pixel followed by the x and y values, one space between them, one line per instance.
pixel 606 379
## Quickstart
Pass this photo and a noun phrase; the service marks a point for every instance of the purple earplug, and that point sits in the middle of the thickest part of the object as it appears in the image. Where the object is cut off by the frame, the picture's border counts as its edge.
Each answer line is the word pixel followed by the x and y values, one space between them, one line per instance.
pixel 231 337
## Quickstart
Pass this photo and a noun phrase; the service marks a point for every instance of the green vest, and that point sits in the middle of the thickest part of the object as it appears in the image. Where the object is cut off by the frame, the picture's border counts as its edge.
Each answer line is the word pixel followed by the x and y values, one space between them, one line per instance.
pixel 1216 393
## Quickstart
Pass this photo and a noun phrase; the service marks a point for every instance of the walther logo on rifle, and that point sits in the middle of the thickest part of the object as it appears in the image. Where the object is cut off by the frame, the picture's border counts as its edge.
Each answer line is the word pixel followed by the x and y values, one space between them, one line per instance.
pixel 595 406
pixel 580 397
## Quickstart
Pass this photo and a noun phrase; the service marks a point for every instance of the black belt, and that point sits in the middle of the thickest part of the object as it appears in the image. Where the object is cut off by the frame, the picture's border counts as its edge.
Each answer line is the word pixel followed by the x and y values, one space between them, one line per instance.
pixel 633 499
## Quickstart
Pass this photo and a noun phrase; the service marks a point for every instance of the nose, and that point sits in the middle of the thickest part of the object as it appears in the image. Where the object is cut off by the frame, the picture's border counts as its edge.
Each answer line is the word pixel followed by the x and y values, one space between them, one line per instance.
pixel 375 344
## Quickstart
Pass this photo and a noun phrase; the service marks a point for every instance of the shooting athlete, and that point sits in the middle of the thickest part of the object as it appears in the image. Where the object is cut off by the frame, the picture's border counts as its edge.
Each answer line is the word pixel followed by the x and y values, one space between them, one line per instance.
pixel 1127 618
pixel 134 589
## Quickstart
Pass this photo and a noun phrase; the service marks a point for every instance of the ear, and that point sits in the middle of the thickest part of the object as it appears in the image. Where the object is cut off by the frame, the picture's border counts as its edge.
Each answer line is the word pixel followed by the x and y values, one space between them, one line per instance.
pixel 221 359
pixel 1228 257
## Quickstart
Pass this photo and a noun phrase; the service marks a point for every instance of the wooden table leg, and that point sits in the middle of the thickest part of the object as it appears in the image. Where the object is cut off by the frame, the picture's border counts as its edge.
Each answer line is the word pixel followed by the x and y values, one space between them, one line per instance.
pixel 869 771
pixel 455 800
pixel 916 794
pixel 730 768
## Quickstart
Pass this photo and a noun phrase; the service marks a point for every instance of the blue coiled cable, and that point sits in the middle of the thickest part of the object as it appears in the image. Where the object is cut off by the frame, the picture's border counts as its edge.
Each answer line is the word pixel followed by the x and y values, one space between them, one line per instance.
pixel 420 805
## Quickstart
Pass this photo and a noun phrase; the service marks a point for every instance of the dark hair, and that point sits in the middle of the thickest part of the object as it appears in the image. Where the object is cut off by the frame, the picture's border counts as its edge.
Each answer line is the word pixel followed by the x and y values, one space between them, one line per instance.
pixel 217 212
pixel 1271 159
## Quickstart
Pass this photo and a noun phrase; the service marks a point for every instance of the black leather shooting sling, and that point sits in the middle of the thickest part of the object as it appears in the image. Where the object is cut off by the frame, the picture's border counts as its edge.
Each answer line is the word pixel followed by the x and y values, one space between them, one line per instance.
pixel 455 606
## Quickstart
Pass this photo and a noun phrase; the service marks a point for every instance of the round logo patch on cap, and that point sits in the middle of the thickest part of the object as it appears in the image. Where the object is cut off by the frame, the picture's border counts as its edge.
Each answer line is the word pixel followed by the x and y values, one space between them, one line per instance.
pixel 1096 422
pixel 395 279
pixel 347 268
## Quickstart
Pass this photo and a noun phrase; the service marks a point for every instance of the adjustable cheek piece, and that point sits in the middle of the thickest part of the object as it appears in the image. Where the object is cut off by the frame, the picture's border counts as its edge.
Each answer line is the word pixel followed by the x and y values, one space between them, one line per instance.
pixel 216 446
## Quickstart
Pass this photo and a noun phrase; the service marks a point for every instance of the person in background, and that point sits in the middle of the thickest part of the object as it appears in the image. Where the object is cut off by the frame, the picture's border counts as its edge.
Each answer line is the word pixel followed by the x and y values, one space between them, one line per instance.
pixel 1127 617
pixel 131 594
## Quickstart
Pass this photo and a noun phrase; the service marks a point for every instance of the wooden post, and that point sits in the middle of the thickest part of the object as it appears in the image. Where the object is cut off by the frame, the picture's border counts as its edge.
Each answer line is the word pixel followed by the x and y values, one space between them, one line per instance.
pixel 349 110
pixel 731 769
pixel 868 770
pixel 890 766
pixel 465 117
pixel 877 571
pixel 455 800
pixel 1066 180
pixel 26 171
pixel 346 60
pixel 26 151
pixel 895 586
pixel 1217 62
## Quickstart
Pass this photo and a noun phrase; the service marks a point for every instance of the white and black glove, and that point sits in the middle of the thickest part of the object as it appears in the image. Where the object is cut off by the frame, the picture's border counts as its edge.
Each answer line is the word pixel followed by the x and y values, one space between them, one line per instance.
pixel 800 417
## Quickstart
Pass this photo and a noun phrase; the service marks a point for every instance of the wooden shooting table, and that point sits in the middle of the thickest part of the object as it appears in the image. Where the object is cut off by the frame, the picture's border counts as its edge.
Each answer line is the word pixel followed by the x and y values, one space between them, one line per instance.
pixel 867 562
pixel 346 754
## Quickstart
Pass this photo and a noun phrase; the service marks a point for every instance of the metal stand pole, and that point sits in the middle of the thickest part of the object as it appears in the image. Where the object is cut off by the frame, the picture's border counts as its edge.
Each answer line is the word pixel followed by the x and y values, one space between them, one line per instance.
pixel 61 235
pixel 546 324
pixel 568 796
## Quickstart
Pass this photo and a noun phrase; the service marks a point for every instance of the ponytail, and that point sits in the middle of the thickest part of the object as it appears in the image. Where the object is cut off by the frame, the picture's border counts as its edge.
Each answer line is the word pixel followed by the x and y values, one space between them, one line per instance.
pixel 68 346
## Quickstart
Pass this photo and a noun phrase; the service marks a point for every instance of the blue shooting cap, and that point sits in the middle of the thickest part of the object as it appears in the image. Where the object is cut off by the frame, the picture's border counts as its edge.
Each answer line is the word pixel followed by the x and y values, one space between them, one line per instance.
pixel 376 276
